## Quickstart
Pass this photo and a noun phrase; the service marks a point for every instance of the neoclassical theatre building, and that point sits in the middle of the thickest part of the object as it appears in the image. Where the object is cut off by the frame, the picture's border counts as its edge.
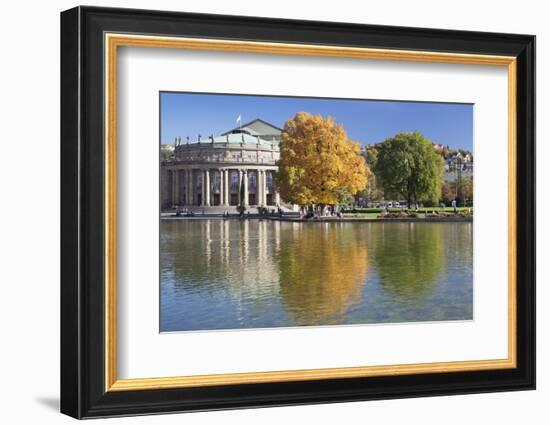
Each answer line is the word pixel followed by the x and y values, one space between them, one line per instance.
pixel 208 173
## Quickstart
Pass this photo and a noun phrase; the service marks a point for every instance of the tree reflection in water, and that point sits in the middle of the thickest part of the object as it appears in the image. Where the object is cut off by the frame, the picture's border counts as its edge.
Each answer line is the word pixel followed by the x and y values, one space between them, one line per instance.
pixel 408 259
pixel 322 269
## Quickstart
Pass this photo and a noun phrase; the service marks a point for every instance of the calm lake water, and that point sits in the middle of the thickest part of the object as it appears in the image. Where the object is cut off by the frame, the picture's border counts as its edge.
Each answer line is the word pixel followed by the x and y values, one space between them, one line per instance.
pixel 229 274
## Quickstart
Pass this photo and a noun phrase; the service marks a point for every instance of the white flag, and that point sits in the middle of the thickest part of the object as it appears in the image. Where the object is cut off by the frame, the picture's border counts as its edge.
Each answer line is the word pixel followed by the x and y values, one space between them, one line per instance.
pixel 239 118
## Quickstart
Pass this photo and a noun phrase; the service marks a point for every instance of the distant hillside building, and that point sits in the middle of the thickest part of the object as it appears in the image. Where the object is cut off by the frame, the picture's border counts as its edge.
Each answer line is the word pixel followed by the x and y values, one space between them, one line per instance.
pixel 209 172
pixel 458 166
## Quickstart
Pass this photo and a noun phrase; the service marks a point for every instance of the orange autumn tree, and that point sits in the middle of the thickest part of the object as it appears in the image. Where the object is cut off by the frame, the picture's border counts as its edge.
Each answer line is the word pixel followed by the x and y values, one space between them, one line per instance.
pixel 319 165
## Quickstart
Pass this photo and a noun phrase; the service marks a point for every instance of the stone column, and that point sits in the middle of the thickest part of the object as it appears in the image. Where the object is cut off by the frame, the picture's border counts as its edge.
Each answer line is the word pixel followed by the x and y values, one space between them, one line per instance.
pixel 207 188
pixel 186 177
pixel 191 187
pixel 261 187
pixel 220 171
pixel 258 187
pixel 174 187
pixel 178 187
pixel 189 199
pixel 222 186
pixel 265 187
pixel 181 186
pixel 176 194
pixel 245 177
pixel 202 178
pixel 240 183
pixel 169 190
pixel 226 187
pixel 187 184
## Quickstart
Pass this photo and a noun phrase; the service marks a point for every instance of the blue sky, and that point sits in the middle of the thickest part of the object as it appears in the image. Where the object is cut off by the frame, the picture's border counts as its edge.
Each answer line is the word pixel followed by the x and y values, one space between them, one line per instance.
pixel 365 121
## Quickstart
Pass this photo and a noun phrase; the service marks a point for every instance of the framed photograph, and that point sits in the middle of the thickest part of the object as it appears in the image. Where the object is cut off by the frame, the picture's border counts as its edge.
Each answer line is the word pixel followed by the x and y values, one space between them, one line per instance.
pixel 261 212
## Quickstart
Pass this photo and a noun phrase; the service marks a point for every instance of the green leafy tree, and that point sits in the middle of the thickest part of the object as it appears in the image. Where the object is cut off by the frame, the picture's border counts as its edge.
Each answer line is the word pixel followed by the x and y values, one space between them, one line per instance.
pixel 166 152
pixel 462 190
pixel 345 198
pixel 468 189
pixel 448 192
pixel 373 191
pixel 408 165
pixel 371 155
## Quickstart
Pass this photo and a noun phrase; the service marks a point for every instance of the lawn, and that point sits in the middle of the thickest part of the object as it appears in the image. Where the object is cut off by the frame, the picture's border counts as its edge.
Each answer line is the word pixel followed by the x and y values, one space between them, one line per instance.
pixel 376 212
pixel 420 210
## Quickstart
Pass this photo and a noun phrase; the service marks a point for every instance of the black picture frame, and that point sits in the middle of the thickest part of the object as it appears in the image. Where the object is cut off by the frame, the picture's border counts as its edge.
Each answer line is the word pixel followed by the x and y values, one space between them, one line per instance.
pixel 82 219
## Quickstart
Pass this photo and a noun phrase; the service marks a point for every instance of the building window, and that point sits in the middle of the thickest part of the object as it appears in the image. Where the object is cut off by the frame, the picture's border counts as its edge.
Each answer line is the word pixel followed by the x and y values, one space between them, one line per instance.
pixel 252 181
pixel 234 181
pixel 216 182
pixel 269 181
pixel 198 182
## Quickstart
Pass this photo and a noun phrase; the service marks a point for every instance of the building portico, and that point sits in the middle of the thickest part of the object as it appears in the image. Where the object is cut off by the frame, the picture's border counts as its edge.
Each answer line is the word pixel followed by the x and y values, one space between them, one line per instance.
pixel 219 171
pixel 189 185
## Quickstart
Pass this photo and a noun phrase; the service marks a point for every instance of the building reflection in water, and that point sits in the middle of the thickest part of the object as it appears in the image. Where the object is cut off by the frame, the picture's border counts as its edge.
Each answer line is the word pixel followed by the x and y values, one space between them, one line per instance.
pixel 222 255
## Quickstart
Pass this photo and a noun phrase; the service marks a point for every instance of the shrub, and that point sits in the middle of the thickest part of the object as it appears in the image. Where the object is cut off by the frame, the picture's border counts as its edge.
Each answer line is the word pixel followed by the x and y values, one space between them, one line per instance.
pixel 241 209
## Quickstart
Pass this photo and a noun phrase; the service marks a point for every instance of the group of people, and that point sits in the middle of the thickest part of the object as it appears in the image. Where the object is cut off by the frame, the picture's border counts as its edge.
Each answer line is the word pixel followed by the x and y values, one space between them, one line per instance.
pixel 261 211
pixel 317 212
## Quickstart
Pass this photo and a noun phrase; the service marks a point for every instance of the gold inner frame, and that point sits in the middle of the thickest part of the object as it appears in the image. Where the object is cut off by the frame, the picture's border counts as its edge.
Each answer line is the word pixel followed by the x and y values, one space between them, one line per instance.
pixel 113 41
